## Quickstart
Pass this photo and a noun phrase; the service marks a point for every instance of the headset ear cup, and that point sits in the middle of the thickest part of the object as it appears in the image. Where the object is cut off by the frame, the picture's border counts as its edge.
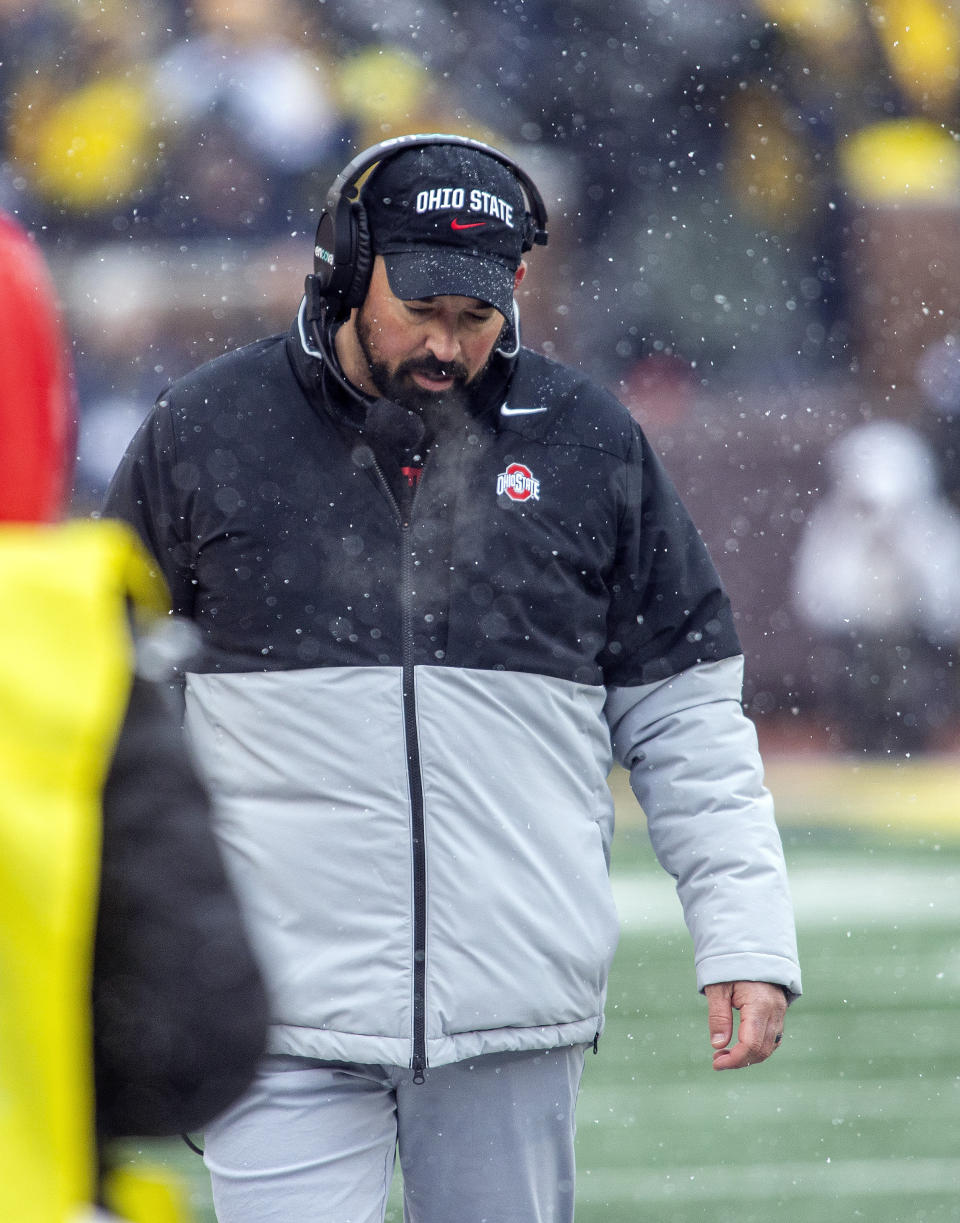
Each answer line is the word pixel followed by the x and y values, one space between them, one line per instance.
pixel 529 233
pixel 362 254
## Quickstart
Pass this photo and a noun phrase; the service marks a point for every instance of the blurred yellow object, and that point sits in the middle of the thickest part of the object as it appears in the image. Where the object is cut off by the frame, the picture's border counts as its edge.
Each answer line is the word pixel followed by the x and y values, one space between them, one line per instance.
pixel 767 166
pixel 919 40
pixel 384 92
pixel 64 685
pixel 902 797
pixel 146 1195
pixel 832 790
pixel 94 147
pixel 387 93
pixel 904 159
pixel 922 44
pixel 819 20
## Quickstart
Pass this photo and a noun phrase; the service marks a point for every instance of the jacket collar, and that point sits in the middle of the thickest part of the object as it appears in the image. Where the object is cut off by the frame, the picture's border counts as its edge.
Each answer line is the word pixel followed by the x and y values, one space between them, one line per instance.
pixel 328 389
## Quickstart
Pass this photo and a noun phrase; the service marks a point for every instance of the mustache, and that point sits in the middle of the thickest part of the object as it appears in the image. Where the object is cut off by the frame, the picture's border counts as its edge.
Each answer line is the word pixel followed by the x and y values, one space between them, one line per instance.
pixel 433 368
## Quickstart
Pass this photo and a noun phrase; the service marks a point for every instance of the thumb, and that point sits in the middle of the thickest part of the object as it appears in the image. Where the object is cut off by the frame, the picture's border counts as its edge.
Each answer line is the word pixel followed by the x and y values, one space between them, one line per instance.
pixel 720 1013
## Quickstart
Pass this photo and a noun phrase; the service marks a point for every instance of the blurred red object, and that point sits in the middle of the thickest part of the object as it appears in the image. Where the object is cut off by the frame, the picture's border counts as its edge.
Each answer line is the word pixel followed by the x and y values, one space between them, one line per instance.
pixel 37 418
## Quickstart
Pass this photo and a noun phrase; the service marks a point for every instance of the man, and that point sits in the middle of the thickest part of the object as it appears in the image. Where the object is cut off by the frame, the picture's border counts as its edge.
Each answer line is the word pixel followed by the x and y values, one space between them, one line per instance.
pixel 438 576
pixel 130 1001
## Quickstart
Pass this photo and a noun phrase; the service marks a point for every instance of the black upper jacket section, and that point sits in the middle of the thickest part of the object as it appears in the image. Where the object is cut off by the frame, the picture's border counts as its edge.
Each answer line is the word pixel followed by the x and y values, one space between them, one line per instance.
pixel 255 484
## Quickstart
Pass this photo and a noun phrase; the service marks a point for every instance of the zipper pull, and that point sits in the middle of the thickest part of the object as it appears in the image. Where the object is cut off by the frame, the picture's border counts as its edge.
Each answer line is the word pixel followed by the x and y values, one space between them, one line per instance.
pixel 596 1042
pixel 418 1068
pixel 408 488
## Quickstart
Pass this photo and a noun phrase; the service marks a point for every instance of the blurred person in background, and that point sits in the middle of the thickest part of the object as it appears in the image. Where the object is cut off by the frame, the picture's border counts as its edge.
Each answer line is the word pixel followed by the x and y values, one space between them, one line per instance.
pixel 877 580
pixel 443 582
pixel 86 151
pixel 154 121
pixel 130 1001
pixel 248 98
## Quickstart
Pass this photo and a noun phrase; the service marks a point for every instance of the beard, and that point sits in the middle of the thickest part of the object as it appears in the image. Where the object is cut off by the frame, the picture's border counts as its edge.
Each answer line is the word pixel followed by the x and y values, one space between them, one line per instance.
pixel 435 407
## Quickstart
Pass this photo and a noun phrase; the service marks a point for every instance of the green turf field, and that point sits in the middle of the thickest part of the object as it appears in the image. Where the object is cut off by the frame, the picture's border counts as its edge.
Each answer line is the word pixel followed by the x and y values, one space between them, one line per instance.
pixel 856 1117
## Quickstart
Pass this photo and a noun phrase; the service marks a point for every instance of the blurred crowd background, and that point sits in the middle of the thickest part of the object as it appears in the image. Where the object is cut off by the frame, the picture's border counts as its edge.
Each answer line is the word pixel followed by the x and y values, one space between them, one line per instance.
pixel 754 242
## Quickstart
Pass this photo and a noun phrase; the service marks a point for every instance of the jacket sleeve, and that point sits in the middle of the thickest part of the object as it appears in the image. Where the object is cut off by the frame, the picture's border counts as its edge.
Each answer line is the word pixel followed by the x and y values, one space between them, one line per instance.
pixel 695 769
pixel 179 1006
pixel 152 490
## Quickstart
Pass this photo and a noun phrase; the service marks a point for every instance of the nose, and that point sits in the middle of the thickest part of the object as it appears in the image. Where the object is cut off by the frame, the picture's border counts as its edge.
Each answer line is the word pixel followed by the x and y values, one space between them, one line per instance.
pixel 442 341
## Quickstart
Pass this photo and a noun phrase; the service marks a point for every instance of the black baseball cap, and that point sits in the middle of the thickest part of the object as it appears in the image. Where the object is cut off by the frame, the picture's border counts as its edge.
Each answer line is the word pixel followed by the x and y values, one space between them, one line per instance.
pixel 448 220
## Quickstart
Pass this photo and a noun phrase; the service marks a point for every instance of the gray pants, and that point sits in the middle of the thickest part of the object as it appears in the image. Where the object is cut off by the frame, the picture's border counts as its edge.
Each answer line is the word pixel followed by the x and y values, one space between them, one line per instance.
pixel 483 1141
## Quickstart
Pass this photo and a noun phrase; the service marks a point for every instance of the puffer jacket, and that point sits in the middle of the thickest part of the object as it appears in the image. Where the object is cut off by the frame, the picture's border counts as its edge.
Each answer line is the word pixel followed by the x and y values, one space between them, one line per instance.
pixel 408 714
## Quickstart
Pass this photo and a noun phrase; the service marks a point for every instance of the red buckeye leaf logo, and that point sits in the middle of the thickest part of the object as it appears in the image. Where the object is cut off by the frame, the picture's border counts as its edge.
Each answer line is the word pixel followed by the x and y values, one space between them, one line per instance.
pixel 519 483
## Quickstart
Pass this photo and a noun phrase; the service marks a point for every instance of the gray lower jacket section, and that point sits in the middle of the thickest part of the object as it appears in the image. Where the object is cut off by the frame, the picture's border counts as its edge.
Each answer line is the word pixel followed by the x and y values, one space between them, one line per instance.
pixel 521 926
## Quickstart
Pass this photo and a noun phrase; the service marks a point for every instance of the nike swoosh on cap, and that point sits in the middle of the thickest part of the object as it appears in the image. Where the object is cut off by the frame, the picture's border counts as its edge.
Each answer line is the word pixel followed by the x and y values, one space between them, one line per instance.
pixel 455 224
pixel 505 411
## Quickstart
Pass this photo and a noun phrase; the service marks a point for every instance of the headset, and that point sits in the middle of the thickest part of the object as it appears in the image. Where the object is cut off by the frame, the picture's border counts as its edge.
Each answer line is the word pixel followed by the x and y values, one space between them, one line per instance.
pixel 342 253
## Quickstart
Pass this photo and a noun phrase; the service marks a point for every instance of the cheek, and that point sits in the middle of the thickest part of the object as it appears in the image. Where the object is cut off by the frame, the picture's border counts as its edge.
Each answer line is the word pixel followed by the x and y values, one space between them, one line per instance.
pixel 477 350
pixel 387 341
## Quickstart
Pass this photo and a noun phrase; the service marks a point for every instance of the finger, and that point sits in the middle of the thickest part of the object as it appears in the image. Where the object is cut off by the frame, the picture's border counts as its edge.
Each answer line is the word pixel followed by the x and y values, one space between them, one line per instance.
pixel 757 1037
pixel 755 1043
pixel 743 1053
pixel 719 1014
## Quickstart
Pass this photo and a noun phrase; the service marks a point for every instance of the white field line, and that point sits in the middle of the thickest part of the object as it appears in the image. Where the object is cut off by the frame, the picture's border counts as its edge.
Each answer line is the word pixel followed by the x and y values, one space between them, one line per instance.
pixel 830 1103
pixel 770 1182
pixel 822 895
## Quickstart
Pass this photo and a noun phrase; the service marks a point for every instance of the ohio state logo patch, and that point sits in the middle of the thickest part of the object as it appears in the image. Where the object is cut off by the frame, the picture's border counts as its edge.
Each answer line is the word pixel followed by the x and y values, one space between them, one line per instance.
pixel 519 483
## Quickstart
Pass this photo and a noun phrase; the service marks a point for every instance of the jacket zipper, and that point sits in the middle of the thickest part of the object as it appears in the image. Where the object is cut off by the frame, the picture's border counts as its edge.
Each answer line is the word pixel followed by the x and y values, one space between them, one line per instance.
pixel 418 1061
pixel 417 830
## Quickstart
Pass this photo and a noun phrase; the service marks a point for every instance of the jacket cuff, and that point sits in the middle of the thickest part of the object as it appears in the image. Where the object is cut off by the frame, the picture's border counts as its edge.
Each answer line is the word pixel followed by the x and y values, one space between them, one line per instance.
pixel 750 966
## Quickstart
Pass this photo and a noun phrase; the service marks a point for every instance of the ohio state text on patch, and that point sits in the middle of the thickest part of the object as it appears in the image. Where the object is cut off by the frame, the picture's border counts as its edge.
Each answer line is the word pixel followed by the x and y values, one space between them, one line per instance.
pixel 519 483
